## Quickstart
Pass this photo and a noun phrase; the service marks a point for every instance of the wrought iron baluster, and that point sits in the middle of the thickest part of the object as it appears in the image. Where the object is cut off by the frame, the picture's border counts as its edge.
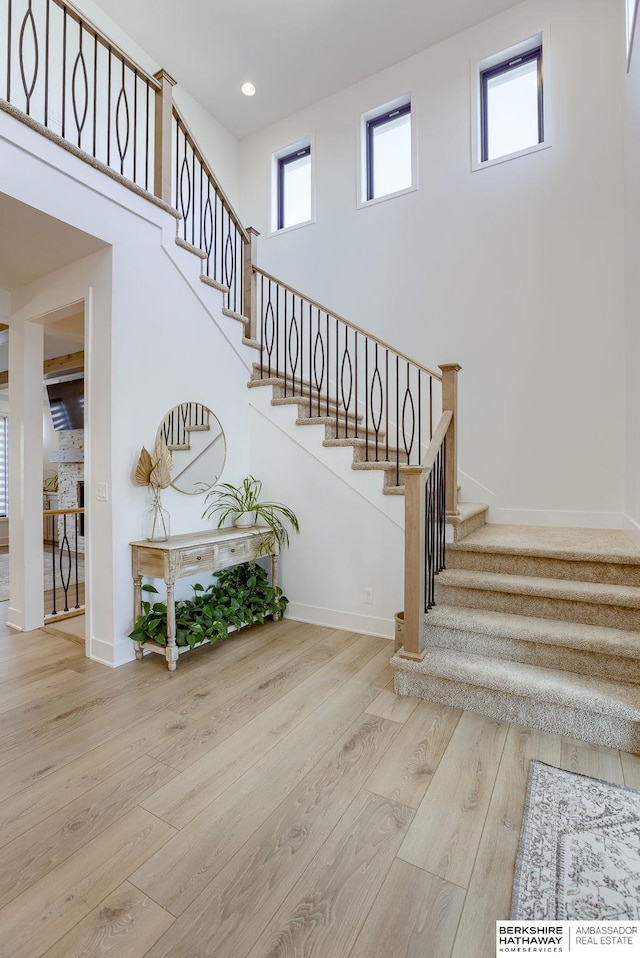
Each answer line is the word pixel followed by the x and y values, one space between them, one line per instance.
pixel 28 87
pixel 355 353
pixel 46 63
pixel 76 562
pixel 386 405
pixel 146 141
pixel 135 125
pixel 9 11
pixel 95 94
pixel 366 398
pixel 64 70
pixel 109 105
pixel 419 375
pixel 193 195
pixel 53 563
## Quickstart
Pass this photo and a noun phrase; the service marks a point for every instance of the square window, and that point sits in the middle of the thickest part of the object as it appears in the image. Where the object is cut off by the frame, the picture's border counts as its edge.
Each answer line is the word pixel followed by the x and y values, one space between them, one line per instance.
pixel 294 188
pixel 511 105
pixel 388 152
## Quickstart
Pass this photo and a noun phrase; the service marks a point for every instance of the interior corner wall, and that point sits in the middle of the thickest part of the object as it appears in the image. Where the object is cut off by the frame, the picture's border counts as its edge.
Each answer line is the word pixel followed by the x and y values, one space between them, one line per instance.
pixel 632 250
pixel 515 271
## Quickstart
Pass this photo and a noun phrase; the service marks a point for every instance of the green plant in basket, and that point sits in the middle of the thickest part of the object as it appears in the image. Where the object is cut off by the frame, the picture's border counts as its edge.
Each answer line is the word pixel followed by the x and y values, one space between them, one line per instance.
pixel 241 596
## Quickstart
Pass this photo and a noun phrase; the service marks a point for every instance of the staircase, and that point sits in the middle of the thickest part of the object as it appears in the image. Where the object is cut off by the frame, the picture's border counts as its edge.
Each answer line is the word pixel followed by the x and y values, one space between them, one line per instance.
pixel 341 428
pixel 539 626
pixel 536 626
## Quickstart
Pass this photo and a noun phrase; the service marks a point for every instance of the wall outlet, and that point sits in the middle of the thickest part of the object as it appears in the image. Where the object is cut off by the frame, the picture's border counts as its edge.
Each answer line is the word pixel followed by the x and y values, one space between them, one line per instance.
pixel 102 492
pixel 368 596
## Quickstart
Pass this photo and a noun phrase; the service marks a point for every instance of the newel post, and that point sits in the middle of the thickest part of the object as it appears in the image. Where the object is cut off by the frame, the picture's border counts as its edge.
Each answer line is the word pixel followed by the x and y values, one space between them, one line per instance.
pixel 162 150
pixel 249 302
pixel 414 561
pixel 450 402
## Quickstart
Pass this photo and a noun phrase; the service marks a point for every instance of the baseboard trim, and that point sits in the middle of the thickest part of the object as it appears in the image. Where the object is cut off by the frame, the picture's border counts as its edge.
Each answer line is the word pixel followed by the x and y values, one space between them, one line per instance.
pixel 553 517
pixel 113 656
pixel 336 619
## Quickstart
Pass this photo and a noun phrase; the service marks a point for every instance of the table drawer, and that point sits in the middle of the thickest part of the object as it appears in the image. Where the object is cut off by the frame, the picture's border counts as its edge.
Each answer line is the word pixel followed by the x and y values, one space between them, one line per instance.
pixel 192 560
pixel 231 553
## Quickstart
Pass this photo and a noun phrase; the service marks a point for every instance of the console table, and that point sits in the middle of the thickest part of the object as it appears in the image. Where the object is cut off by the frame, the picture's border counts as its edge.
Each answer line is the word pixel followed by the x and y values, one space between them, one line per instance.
pixel 189 554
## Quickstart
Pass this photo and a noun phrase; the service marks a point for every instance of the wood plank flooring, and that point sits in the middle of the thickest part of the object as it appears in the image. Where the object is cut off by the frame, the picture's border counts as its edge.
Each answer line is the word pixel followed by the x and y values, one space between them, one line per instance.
pixel 272 798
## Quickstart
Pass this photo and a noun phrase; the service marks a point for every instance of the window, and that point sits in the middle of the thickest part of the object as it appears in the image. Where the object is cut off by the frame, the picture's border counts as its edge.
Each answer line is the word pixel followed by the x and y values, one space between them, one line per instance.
pixel 4 433
pixel 511 105
pixel 294 187
pixel 388 152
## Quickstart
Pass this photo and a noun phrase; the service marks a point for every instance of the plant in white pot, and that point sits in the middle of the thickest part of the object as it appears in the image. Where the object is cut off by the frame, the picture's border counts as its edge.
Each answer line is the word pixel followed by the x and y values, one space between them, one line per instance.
pixel 243 505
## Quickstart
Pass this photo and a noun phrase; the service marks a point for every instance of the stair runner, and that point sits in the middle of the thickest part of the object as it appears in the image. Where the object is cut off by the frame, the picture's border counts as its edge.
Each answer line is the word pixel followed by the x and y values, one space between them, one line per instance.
pixel 538 626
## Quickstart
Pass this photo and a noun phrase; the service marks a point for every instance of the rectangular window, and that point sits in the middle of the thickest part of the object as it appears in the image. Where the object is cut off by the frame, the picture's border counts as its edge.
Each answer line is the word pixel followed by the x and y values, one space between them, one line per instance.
pixel 4 483
pixel 294 188
pixel 511 105
pixel 388 152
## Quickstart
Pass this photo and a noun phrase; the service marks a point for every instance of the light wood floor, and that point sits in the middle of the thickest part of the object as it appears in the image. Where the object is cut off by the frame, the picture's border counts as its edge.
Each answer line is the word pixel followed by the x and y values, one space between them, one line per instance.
pixel 273 797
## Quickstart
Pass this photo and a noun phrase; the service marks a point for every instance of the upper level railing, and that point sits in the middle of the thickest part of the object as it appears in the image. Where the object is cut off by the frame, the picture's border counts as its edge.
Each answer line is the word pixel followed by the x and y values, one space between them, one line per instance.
pixel 61 71
pixel 209 221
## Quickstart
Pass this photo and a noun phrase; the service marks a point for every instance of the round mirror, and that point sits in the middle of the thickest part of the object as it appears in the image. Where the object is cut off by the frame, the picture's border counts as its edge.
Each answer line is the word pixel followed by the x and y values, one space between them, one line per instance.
pixel 195 440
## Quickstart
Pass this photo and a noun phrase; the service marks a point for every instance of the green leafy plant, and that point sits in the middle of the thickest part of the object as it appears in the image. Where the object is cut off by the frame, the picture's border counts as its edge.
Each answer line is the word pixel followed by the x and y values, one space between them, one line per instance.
pixel 241 596
pixel 228 501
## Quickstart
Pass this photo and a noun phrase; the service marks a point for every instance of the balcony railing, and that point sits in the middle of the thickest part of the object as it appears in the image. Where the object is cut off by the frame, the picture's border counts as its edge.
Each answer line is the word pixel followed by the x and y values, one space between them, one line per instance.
pixel 58 69
pixel 64 567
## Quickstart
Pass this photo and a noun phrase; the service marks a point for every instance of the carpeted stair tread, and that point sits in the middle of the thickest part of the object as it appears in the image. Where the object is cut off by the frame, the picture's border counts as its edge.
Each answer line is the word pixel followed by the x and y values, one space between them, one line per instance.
pixel 525 628
pixel 595 545
pixel 543 685
pixel 591 592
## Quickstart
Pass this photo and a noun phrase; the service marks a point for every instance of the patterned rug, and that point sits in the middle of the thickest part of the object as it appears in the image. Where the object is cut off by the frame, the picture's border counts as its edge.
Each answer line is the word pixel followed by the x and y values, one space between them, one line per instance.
pixel 579 853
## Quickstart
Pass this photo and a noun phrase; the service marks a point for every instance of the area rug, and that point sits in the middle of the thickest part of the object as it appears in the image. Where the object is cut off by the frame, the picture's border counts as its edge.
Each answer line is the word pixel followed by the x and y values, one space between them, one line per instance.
pixel 48 576
pixel 579 853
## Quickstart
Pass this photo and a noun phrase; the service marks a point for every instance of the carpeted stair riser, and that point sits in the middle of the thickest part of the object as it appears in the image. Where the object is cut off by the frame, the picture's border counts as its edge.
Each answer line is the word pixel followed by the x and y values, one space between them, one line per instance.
pixel 463 525
pixel 612 616
pixel 610 731
pixel 577 570
pixel 602 665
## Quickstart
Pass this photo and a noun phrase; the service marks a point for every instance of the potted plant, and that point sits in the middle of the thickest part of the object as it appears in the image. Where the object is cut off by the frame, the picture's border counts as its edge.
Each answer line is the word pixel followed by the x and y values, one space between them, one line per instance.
pixel 240 596
pixel 243 505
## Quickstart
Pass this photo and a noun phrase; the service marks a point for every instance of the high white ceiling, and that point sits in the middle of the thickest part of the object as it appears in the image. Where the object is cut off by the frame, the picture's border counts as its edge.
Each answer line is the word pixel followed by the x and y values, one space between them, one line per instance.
pixel 296 52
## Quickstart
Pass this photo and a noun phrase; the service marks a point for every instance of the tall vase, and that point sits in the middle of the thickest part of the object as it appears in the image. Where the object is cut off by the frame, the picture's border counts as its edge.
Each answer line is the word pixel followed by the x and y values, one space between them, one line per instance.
pixel 157 518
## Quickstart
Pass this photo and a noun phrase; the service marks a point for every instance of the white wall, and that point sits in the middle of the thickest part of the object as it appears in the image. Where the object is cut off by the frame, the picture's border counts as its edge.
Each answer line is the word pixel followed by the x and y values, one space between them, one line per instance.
pixel 515 272
pixel 632 236
pixel 151 342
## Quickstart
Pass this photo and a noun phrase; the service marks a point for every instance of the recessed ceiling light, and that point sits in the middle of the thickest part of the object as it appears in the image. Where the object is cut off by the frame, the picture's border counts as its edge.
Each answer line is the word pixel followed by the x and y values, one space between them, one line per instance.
pixel 248 88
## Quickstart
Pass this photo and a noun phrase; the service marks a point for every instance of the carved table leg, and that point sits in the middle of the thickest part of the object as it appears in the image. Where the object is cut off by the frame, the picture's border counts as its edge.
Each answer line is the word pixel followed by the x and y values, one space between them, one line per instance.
pixel 274 581
pixel 171 650
pixel 137 610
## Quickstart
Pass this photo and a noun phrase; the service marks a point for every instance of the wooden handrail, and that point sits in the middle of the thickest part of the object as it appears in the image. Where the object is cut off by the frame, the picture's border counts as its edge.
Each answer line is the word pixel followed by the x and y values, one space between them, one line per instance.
pixel 226 202
pixel 353 326
pixel 415 480
pixel 90 25
pixel 63 512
